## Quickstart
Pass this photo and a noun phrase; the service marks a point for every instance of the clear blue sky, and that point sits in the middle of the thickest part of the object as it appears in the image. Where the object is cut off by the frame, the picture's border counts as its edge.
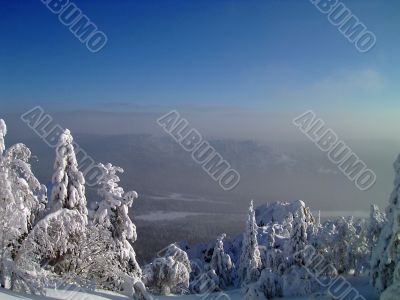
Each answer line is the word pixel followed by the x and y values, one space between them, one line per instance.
pixel 269 55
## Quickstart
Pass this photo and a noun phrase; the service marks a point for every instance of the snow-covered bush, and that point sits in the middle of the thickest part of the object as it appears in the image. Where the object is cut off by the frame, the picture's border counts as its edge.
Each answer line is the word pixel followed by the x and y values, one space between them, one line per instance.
pixel 250 260
pixel 268 286
pixel 168 274
pixel 296 281
pixel 56 241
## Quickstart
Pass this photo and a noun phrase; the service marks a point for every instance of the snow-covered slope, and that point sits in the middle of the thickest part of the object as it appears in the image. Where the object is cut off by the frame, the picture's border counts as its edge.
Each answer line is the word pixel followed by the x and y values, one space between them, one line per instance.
pixel 361 284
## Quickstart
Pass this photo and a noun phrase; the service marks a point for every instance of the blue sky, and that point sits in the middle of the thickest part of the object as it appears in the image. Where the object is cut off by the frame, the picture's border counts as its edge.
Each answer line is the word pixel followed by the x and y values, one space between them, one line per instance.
pixel 269 55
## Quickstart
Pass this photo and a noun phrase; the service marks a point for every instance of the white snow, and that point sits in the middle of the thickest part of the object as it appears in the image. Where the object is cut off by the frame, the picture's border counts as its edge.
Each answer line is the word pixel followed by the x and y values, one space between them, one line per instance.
pixel 361 284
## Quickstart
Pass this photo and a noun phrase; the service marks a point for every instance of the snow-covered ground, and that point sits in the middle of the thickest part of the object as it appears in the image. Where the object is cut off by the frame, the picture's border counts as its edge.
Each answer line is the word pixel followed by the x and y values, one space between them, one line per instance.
pixel 60 294
pixel 98 295
pixel 361 284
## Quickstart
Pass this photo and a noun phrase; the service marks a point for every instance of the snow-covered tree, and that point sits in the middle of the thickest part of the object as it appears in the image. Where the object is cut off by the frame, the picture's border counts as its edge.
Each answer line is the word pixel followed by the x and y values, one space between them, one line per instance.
pixel 111 217
pixel 7 205
pixel 3 132
pixel 386 254
pixel 360 250
pixel 341 249
pixel 376 221
pixel 222 264
pixel 57 239
pixel 298 239
pixel 250 260
pixel 275 260
pixel 271 235
pixel 168 274
pixel 9 231
pixel 68 182
pixel 26 188
pixel 101 265
pixel 36 249
pixel 22 200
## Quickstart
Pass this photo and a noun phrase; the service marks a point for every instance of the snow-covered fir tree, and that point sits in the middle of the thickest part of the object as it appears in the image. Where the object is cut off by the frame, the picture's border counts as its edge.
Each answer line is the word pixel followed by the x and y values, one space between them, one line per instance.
pixel 295 280
pixel 386 254
pixel 344 243
pixel 57 239
pixel 271 236
pixel 275 260
pixel 68 182
pixel 22 200
pixel 222 264
pixel 168 274
pixel 272 257
pixel 298 239
pixel 7 205
pixel 360 250
pixel 26 188
pixel 250 260
pixel 3 132
pixel 111 217
pixel 342 246
pixel 377 220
